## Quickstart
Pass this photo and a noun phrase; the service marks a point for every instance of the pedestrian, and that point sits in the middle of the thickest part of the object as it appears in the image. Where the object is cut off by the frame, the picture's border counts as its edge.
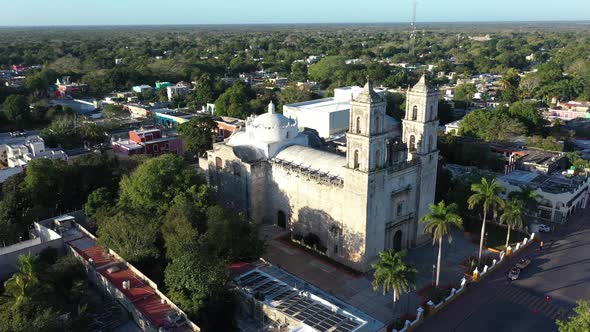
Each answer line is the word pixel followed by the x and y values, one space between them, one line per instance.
pixel 547 298
pixel 541 244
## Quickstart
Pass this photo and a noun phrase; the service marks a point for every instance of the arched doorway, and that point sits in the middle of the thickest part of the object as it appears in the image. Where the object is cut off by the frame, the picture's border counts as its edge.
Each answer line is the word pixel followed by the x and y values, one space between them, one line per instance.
pixel 397 241
pixel 282 219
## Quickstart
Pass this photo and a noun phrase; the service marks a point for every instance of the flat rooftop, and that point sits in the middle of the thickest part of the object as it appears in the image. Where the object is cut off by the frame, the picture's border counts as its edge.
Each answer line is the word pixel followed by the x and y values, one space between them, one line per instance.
pixel 554 184
pixel 310 309
pixel 541 157
pixel 324 105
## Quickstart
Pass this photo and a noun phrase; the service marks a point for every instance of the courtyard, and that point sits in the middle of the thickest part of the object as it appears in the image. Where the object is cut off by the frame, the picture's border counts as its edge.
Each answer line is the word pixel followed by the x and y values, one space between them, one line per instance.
pixel 357 290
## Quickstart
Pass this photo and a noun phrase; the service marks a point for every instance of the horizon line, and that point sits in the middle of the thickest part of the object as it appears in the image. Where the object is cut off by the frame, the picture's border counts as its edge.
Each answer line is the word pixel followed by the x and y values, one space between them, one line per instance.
pixel 294 23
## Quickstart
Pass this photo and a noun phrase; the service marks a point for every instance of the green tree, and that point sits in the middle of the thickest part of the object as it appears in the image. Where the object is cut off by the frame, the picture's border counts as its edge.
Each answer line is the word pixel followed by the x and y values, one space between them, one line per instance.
pixel 328 70
pixel 512 217
pixel 25 284
pixel 98 199
pixel 294 94
pixel 155 183
pixel 298 72
pixel 580 321
pixel 490 126
pixel 485 193
pixel 192 280
pixel 114 111
pixel 509 83
pixel 464 93
pixel 16 108
pixel 231 236
pixel 528 114
pixel 131 234
pixel 235 101
pixel 185 221
pixel 393 274
pixel 396 105
pixel 439 222
pixel 581 164
pixel 197 134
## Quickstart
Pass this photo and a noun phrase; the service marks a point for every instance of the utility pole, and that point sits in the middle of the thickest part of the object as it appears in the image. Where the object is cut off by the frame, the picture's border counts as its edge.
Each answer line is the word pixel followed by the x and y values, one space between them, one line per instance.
pixel 413 27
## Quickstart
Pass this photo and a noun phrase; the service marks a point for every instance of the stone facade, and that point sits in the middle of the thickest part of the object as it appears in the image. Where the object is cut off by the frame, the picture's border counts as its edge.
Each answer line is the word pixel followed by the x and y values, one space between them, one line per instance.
pixel 359 204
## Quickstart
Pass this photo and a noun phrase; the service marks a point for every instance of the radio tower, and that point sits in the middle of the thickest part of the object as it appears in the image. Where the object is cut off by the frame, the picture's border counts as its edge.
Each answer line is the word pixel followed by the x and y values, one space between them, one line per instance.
pixel 413 26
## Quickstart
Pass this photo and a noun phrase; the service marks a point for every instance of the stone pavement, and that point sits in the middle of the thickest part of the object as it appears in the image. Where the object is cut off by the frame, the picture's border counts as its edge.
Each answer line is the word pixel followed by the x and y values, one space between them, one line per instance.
pixel 358 291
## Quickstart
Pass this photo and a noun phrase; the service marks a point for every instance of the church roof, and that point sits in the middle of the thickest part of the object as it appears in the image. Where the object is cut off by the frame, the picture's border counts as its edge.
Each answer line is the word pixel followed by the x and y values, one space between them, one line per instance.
pixel 327 162
pixel 368 95
pixel 247 153
pixel 422 85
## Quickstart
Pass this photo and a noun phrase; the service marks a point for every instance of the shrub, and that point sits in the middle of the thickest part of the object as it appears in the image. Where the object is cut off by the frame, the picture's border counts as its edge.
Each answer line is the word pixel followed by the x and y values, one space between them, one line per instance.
pixel 298 237
pixel 312 240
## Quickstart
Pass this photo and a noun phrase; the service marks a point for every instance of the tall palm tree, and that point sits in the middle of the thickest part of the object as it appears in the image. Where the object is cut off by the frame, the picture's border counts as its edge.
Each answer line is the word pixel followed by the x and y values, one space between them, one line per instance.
pixel 526 195
pixel 486 194
pixel 393 274
pixel 439 222
pixel 512 216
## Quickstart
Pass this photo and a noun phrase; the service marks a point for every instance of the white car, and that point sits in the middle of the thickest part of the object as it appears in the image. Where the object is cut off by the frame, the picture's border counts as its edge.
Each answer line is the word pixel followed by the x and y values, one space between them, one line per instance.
pixel 513 273
pixel 544 228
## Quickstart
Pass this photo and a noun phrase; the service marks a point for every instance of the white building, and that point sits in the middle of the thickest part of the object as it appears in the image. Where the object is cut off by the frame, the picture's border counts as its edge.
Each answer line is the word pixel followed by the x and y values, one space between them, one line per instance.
pixel 18 152
pixel 328 116
pixel 560 196
pixel 176 90
pixel 355 205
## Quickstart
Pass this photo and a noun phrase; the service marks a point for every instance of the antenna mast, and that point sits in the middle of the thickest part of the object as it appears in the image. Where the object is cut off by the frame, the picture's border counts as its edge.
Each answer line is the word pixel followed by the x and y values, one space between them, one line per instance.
pixel 413 27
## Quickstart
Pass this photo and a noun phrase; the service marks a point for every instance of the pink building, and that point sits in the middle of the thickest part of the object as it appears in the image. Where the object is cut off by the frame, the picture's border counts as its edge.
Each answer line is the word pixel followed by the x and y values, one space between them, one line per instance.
pixel 149 142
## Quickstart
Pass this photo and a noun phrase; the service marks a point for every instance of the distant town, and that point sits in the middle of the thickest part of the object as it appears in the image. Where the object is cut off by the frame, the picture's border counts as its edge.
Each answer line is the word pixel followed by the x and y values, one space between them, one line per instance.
pixel 340 179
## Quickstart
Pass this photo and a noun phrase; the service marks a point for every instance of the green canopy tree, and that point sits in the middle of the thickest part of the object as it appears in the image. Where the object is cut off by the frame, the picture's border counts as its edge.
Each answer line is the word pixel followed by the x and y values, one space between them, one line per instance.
pixel 512 217
pixel 16 108
pixel 485 193
pixel 235 101
pixel 192 279
pixel 464 93
pixel 131 234
pixel 155 183
pixel 197 134
pixel 393 274
pixel 438 224
pixel 580 321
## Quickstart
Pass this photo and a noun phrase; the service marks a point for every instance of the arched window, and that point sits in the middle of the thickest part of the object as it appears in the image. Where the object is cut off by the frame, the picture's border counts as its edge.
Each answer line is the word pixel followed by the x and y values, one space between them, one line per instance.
pixel 218 163
pixel 432 117
pixel 377 120
pixel 358 125
pixel 356 159
pixel 415 113
pixel 412 143
pixel 400 208
pixel 288 135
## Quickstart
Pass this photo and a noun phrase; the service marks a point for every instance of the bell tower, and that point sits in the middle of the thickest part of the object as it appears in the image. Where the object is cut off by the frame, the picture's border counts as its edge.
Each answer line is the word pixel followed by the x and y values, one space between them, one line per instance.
pixel 366 144
pixel 419 132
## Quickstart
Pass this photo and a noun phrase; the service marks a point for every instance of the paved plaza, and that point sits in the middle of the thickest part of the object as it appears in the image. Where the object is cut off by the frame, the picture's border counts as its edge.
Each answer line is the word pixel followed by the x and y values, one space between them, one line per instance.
pixel 358 290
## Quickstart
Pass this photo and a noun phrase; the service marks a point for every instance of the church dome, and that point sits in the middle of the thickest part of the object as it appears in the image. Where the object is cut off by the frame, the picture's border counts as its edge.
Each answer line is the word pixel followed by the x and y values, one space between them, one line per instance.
pixel 272 126
pixel 271 121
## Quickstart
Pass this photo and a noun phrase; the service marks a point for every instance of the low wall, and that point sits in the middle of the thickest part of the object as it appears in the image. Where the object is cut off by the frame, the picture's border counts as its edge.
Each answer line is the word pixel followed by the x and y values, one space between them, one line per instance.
pixel 432 307
pixel 9 255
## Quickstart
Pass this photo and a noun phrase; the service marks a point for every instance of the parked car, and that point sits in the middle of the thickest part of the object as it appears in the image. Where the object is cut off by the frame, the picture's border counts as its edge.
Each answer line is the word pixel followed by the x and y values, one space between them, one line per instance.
pixel 523 263
pixel 513 273
pixel 544 228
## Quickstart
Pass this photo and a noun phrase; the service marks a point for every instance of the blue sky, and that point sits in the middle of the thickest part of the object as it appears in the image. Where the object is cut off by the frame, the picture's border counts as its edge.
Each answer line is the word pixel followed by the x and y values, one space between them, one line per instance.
pixel 116 12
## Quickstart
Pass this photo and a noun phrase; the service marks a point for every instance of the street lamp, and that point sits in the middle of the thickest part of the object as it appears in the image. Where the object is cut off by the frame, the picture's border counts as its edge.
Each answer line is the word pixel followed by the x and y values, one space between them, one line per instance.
pixel 485 241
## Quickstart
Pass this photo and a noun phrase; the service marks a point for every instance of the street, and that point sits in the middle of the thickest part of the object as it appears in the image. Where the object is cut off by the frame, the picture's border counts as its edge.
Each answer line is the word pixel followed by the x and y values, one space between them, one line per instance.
pixel 546 290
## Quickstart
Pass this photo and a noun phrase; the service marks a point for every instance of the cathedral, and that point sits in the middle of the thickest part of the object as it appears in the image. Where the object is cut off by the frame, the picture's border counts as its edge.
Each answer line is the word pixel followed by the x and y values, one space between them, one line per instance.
pixel 357 204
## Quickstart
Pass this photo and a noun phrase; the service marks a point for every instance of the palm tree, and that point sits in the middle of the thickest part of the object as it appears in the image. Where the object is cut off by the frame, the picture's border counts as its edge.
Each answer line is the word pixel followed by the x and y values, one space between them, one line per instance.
pixel 23 284
pixel 528 196
pixel 486 194
pixel 393 274
pixel 440 221
pixel 512 216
